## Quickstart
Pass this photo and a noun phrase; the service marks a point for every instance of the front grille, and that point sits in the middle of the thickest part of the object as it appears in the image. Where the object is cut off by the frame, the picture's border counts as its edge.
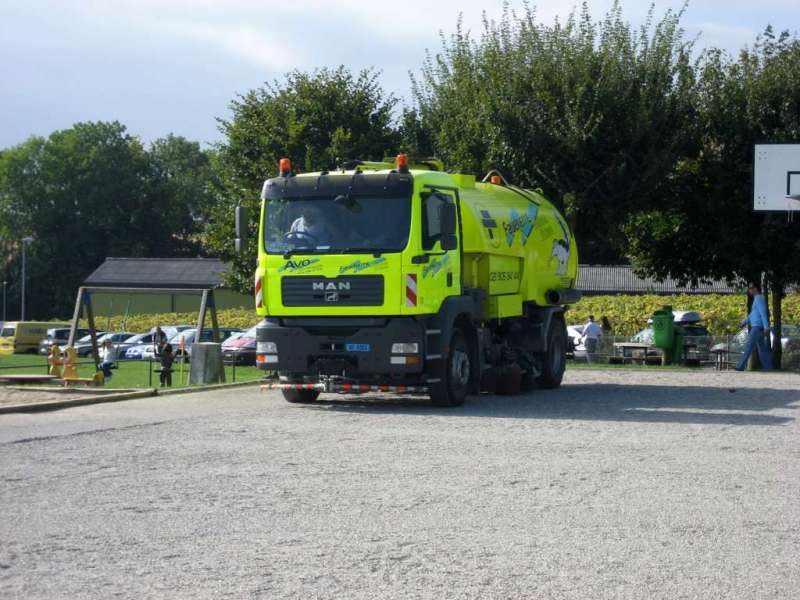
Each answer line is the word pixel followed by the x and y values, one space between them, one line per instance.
pixel 358 290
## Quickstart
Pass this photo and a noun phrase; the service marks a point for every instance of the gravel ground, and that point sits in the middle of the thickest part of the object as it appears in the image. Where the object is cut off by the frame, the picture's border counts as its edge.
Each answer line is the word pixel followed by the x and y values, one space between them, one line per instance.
pixel 9 396
pixel 622 484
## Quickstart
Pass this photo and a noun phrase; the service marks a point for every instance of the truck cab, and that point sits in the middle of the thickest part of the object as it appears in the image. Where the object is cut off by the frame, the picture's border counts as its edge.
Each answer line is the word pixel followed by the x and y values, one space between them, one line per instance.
pixel 405 278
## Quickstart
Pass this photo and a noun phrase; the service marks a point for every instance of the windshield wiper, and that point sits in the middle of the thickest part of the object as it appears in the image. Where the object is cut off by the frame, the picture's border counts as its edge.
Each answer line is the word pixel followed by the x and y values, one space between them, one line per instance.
pixel 298 250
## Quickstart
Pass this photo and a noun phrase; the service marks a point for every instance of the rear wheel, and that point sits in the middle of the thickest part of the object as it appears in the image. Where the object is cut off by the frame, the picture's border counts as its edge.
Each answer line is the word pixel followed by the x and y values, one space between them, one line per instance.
pixel 453 386
pixel 555 356
pixel 300 396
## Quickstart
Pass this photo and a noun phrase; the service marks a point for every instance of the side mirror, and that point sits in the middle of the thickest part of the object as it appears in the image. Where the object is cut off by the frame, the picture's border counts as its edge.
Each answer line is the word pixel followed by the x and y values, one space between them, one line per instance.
pixel 241 228
pixel 448 242
pixel 447 220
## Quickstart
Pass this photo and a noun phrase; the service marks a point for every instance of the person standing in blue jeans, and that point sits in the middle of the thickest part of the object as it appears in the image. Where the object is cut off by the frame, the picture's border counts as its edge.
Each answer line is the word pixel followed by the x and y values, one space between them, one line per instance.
pixel 758 320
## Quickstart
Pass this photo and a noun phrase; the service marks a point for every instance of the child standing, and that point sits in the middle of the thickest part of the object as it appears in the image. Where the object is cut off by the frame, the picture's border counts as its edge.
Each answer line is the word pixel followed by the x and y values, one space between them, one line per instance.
pixel 167 358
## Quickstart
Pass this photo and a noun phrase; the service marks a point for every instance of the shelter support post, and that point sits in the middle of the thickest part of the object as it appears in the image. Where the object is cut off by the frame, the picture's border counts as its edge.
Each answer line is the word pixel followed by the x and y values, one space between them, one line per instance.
pixel 201 316
pixel 76 317
pixel 215 328
pixel 92 328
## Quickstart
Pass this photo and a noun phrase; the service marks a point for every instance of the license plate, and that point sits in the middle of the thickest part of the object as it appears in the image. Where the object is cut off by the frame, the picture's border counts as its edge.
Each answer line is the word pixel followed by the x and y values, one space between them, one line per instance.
pixel 357 347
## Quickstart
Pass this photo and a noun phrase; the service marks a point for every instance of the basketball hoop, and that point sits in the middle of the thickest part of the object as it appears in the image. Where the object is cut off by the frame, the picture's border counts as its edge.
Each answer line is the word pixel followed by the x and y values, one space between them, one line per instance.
pixel 791 199
pixel 776 178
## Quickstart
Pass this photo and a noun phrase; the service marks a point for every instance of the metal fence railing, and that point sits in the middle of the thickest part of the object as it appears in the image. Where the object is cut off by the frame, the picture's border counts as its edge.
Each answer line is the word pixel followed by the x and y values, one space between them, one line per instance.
pixel 126 372
pixel 720 352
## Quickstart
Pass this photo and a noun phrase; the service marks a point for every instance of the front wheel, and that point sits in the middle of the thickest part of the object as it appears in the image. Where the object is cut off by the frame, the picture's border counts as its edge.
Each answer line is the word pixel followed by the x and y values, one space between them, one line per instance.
pixel 300 396
pixel 555 356
pixel 453 386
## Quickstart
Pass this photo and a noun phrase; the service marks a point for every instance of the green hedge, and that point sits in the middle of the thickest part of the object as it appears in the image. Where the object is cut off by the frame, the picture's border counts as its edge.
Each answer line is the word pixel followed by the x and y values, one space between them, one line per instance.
pixel 232 317
pixel 628 314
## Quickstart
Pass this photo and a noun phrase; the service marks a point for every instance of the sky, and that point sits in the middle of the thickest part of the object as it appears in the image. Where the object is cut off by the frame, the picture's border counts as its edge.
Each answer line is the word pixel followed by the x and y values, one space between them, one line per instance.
pixel 173 66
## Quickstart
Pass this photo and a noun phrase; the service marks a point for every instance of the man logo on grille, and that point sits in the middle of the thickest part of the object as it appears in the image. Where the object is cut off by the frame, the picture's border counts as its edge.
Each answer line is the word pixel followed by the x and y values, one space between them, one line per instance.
pixel 331 296
pixel 321 285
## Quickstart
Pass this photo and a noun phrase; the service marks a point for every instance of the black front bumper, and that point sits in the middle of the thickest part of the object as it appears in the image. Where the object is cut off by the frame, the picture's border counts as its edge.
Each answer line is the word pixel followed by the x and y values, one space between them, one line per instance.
pixel 349 346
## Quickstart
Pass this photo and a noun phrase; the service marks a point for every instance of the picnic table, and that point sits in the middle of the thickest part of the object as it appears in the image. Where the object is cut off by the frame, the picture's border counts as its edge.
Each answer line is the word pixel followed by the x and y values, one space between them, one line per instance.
pixel 632 351
pixel 722 359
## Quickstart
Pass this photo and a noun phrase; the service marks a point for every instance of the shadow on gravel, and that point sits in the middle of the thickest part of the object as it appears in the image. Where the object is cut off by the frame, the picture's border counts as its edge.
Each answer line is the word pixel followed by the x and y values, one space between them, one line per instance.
pixel 598 402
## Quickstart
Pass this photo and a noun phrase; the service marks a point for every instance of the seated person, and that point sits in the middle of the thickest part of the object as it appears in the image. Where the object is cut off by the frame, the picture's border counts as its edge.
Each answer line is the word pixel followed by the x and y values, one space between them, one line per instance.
pixel 108 356
pixel 308 226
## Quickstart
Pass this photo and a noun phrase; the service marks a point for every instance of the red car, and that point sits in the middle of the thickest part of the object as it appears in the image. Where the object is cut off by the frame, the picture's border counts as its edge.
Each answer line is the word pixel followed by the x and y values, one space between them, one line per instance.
pixel 241 349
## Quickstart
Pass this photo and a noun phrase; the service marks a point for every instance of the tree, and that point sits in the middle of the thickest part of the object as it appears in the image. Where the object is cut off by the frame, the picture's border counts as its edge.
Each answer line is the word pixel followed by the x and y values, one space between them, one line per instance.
pixel 708 229
pixel 315 119
pixel 89 192
pixel 596 113
pixel 183 175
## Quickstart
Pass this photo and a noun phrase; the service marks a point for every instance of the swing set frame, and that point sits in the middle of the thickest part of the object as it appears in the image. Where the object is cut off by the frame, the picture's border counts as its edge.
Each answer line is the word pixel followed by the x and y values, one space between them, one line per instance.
pixel 83 307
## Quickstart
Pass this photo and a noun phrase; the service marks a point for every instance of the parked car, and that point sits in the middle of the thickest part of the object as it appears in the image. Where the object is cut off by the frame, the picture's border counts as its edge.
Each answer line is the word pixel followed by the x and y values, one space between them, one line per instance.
pixel 240 349
pixel 87 339
pixel 188 336
pixel 23 337
pixel 60 336
pixel 144 347
pixel 697 338
pixel 575 346
pixel 117 338
pixel 134 347
pixel 790 340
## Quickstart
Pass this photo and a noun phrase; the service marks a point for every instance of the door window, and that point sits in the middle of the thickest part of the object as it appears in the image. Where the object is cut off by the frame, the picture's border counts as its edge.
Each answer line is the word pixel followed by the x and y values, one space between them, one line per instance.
pixel 431 222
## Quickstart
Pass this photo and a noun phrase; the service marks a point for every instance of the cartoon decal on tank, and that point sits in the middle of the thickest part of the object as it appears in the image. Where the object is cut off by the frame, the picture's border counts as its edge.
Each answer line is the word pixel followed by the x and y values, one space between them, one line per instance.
pixel 522 223
pixel 561 248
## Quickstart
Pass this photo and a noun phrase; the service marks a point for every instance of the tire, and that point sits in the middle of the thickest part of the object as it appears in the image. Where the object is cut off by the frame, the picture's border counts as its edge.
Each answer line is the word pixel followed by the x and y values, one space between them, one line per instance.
pixel 300 396
pixel 456 374
pixel 555 356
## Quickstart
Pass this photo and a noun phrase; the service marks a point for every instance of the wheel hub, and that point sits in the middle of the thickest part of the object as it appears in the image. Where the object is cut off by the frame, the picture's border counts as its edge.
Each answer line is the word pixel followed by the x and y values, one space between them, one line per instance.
pixel 460 368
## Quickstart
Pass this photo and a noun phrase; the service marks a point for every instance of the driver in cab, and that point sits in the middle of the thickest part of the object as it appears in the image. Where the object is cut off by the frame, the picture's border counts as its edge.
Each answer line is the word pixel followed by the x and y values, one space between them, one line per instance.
pixel 308 225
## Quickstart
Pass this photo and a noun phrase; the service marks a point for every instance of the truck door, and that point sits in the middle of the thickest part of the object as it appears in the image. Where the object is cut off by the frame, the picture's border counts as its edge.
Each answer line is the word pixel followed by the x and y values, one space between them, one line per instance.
pixel 441 274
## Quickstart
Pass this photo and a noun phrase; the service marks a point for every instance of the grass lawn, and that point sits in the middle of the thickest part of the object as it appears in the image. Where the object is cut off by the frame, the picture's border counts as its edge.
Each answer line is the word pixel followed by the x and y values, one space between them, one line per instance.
pixel 134 373
pixel 130 374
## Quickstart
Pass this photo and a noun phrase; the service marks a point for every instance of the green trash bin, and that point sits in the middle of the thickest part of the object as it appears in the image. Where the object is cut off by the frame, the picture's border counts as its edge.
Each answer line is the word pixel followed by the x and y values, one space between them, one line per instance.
pixel 677 346
pixel 664 328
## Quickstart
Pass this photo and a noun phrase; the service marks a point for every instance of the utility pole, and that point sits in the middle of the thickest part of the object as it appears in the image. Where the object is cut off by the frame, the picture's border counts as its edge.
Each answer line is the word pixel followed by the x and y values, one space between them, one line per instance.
pixel 25 241
pixel 4 299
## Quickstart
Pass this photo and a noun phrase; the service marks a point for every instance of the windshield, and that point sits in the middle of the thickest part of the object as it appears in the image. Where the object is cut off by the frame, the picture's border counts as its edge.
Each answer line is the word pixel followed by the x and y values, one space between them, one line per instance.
pixel 7 332
pixel 339 224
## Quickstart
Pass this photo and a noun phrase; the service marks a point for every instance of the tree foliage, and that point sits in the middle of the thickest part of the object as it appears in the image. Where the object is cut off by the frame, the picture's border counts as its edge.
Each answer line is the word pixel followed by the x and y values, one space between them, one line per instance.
pixel 596 113
pixel 708 228
pixel 94 191
pixel 316 120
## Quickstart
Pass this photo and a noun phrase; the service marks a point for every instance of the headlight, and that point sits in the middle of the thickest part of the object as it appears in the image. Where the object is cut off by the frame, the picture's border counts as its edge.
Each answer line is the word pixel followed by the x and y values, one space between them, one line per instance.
pixel 405 348
pixel 266 348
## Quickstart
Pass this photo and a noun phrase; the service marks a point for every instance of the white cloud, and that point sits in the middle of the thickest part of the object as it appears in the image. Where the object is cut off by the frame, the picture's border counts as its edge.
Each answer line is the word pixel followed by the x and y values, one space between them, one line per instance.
pixel 262 48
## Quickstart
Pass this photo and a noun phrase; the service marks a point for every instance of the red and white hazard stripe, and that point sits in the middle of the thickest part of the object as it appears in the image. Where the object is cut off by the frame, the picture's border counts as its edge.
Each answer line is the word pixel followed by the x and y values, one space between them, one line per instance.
pixel 259 292
pixel 347 388
pixel 411 289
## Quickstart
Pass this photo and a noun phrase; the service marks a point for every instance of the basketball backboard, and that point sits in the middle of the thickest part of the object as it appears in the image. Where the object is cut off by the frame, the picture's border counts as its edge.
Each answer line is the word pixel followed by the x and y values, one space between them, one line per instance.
pixel 776 177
